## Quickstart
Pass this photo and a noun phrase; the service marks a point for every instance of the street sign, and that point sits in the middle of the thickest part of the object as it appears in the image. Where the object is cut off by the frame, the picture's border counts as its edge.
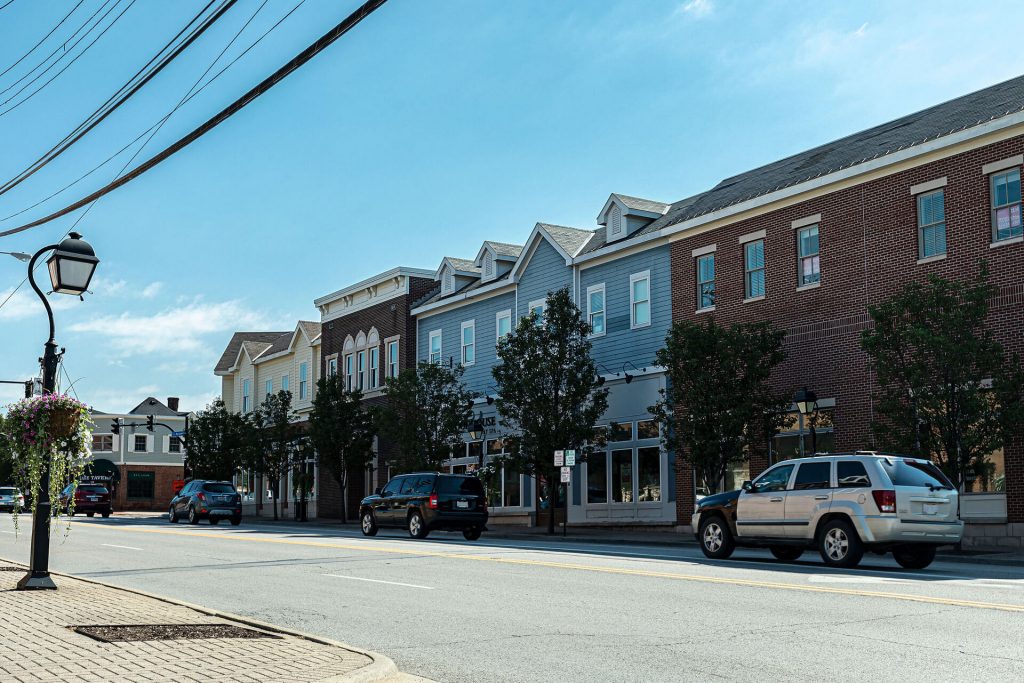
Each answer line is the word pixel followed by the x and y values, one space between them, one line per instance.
pixel 177 433
pixel 559 458
pixel 566 475
pixel 570 458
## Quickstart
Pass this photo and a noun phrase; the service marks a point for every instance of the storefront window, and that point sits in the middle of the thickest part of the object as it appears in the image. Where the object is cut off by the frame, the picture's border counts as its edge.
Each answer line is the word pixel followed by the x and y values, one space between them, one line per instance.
pixel 512 489
pixel 597 478
pixel 647 429
pixel 989 476
pixel 787 441
pixel 648 474
pixel 622 476
pixel 141 485
pixel 621 431
pixel 475 449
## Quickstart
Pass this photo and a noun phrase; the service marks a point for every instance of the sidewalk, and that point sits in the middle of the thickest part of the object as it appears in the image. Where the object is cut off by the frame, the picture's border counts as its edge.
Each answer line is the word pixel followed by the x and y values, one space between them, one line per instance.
pixel 40 645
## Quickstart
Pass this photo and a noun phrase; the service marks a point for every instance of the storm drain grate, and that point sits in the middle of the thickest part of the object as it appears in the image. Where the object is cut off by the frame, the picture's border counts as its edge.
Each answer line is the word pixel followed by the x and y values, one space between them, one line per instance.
pixel 137 632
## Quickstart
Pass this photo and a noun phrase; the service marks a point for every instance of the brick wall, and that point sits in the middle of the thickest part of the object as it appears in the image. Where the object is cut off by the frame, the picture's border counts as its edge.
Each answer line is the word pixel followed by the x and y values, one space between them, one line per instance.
pixel 163 489
pixel 868 250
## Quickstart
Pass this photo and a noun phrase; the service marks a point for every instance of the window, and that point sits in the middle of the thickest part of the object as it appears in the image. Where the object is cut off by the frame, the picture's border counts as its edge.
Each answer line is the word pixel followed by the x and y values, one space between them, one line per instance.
pixel 773 480
pixel 615 219
pixel 102 442
pixel 537 308
pixel 595 309
pixel 469 342
pixel 360 370
pixel 622 476
pixel 488 265
pixel 850 473
pixel 813 475
pixel 174 445
pixel 503 324
pixel 374 380
pixel 394 486
pixel 807 251
pixel 931 224
pixel 621 431
pixel 302 380
pixel 648 475
pixel 640 299
pixel 511 487
pixel 245 395
pixel 753 266
pixel 647 429
pixel 139 443
pixel 140 485
pixel 907 472
pixel 435 346
pixel 1006 219
pixel 349 383
pixel 284 382
pixel 705 281
pixel 269 387
pixel 332 367
pixel 393 359
pixel 597 478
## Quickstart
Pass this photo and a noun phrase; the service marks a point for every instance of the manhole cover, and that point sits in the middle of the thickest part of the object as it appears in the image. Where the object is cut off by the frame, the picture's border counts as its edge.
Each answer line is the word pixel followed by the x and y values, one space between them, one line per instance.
pixel 135 632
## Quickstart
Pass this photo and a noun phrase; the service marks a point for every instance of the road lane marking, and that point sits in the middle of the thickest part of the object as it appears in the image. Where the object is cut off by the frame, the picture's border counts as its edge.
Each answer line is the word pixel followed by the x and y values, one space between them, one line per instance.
pixel 391 583
pixel 126 547
pixel 749 583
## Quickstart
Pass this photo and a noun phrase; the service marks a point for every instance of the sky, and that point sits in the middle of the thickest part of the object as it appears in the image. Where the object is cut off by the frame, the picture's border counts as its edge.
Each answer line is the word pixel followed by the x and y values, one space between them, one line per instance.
pixel 432 126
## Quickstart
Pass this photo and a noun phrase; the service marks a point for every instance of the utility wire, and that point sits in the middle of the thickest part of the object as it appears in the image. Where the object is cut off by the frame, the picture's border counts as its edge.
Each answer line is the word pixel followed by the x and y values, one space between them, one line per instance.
pixel 126 91
pixel 365 10
pixel 43 39
pixel 6 4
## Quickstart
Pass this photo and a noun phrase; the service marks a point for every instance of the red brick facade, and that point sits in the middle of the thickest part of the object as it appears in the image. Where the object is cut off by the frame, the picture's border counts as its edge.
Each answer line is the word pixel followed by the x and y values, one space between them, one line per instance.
pixel 868 250
pixel 163 489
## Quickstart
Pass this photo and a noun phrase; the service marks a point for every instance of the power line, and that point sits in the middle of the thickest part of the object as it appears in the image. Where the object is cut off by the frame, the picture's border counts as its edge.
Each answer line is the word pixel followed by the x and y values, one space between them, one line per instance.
pixel 126 91
pixel 43 39
pixel 365 10
pixel 6 4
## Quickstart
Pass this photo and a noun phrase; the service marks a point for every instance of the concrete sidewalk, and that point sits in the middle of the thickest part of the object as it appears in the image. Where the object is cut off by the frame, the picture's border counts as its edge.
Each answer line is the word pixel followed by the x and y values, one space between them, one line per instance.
pixel 38 643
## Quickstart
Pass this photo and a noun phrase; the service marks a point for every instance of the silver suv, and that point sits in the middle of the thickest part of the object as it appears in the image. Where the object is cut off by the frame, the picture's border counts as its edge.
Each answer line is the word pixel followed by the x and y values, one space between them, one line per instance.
pixel 841 504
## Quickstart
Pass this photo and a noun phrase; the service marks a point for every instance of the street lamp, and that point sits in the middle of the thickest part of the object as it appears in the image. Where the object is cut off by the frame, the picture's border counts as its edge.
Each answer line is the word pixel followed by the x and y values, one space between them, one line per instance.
pixel 71 267
pixel 807 403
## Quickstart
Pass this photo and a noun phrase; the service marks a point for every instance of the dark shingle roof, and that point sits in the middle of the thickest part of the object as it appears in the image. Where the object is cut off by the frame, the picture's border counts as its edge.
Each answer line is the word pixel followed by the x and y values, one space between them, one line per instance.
pixel 640 204
pixel 227 359
pixel 938 121
pixel 152 406
pixel 570 239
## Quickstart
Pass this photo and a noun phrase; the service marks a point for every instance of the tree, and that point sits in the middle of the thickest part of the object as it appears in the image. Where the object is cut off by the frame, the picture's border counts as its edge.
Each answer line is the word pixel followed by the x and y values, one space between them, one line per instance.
pixel 719 405
pixel 274 427
pixel 342 431
pixel 947 391
pixel 216 446
pixel 548 390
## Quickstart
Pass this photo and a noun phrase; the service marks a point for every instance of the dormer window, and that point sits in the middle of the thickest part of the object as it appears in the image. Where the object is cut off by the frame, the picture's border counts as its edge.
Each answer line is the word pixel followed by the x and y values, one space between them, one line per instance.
pixel 615 221
pixel 488 265
pixel 447 281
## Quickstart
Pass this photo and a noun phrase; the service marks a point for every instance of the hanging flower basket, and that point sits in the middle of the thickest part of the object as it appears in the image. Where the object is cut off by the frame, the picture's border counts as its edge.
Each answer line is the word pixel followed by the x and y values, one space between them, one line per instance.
pixel 63 421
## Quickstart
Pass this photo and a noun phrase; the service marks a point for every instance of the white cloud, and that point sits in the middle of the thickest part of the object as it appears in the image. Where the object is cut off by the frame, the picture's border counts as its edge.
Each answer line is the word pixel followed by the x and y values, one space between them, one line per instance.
pixel 697 8
pixel 26 304
pixel 121 288
pixel 151 290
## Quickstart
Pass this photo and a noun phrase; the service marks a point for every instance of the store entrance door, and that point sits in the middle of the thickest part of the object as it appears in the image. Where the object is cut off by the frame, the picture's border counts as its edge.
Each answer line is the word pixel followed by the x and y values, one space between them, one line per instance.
pixel 544 504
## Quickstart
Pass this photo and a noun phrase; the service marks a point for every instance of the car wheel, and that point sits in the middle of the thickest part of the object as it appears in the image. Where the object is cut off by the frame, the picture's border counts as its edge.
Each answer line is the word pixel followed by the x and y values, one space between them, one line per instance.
pixel 105 515
pixel 914 556
pixel 368 524
pixel 172 515
pixel 471 534
pixel 715 538
pixel 235 521
pixel 193 517
pixel 786 553
pixel 839 544
pixel 89 514
pixel 417 527
pixel 214 521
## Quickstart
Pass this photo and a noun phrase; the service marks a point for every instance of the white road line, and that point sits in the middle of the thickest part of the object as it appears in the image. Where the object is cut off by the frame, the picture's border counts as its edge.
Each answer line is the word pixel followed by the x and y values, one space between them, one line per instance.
pixel 393 583
pixel 126 547
pixel 6 532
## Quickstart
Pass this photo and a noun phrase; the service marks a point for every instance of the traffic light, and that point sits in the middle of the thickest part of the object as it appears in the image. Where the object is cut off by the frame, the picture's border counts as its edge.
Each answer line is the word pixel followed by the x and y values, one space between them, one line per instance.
pixel 28 389
pixel 115 426
pixel 149 422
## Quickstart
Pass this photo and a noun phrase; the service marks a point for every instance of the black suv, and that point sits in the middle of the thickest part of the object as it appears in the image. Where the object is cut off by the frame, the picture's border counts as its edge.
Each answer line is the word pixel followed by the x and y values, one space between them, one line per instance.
pixel 212 500
pixel 425 501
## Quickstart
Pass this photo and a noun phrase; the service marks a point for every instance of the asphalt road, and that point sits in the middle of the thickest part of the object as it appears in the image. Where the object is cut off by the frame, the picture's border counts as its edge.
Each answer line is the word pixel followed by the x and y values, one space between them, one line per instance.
pixel 504 610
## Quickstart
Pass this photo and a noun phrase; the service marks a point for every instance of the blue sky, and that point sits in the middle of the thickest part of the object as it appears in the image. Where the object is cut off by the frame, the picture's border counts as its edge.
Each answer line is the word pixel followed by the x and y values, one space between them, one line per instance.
pixel 431 127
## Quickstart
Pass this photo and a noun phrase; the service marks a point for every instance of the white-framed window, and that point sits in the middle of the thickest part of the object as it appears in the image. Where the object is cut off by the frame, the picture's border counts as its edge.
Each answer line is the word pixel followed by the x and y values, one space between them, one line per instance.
pixel 245 396
pixel 640 299
pixel 537 307
pixel 284 382
pixel 269 386
pixel 303 380
pixel 1006 205
pixel 360 369
pixel 931 223
pixel 435 346
pixel 102 442
pixel 705 281
pixel 349 372
pixel 374 380
pixel 174 445
pixel 753 269
pixel 140 444
pixel 332 367
pixel 469 342
pixel 502 324
pixel 392 359
pixel 809 265
pixel 596 309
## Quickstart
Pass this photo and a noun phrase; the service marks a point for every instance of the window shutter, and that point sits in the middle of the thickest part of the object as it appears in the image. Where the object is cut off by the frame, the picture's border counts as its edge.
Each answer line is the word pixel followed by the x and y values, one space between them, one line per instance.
pixel 449 280
pixel 167 444
pixel 615 219
pixel 488 265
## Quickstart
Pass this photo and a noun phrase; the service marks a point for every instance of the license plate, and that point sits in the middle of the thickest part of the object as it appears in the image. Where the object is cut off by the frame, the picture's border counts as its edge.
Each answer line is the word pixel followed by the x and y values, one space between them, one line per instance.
pixel 462 504
pixel 931 508
pixel 94 498
pixel 220 512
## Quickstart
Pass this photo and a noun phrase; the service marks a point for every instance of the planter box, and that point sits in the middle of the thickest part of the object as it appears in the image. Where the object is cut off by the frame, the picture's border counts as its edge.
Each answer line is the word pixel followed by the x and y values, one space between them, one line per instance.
pixel 983 507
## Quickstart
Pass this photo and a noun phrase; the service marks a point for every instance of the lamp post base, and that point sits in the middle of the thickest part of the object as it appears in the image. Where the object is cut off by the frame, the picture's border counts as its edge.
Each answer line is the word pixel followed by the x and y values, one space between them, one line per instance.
pixel 36 582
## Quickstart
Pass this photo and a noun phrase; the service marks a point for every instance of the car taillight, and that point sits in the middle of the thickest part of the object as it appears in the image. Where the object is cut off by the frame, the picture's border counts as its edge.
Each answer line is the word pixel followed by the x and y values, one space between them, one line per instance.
pixel 483 504
pixel 885 500
pixel 432 503
pixel 201 496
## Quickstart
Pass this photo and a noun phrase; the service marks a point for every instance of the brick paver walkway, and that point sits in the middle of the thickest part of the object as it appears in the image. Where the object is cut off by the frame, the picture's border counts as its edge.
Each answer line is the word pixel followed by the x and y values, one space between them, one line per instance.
pixel 37 645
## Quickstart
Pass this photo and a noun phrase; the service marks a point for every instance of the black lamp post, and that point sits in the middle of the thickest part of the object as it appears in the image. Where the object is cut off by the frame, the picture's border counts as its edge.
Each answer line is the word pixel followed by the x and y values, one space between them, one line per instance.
pixel 807 403
pixel 71 267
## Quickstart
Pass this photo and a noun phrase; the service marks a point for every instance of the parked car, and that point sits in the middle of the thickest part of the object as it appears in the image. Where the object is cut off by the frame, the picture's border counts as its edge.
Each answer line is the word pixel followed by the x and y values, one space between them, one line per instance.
pixel 843 505
pixel 427 501
pixel 202 499
pixel 11 499
pixel 89 498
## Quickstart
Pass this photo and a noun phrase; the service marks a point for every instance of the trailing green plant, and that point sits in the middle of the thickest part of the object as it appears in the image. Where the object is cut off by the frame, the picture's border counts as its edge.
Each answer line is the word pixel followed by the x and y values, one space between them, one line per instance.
pixel 52 432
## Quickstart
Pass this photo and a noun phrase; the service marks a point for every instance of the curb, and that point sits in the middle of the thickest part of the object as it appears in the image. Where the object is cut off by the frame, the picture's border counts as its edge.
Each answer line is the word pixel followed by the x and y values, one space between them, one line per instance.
pixel 380 668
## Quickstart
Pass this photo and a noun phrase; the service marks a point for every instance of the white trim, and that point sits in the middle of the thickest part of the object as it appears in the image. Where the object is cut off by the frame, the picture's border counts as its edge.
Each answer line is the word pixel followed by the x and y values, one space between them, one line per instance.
pixel 753 236
pixel 1002 243
pixel 430 346
pixel 703 251
pixel 466 325
pixel 604 310
pixel 387 360
pixel 400 271
pixel 753 299
pixel 931 259
pixel 542 304
pixel 507 313
pixel 810 285
pixel 636 277
pixel 450 302
pixel 1002 164
pixel 809 220
pixel 921 188
pixel 709 309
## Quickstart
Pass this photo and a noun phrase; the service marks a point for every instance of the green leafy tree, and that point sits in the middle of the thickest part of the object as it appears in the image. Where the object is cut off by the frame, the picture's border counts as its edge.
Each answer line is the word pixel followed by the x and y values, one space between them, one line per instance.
pixel 426 414
pixel 216 446
pixel 947 390
pixel 273 425
pixel 342 431
pixel 719 405
pixel 547 383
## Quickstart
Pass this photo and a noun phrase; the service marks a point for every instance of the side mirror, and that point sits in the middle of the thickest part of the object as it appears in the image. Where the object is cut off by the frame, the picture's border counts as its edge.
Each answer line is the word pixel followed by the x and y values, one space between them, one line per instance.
pixel 377 491
pixel 747 486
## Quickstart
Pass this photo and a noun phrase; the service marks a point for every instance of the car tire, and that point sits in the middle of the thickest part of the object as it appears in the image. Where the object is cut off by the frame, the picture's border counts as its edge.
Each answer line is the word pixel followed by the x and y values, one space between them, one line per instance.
pixel 193 516
pixel 417 525
pixel 172 515
pixel 89 514
pixel 839 544
pixel 787 553
pixel 235 521
pixel 368 524
pixel 105 514
pixel 214 521
pixel 715 539
pixel 471 534
pixel 914 556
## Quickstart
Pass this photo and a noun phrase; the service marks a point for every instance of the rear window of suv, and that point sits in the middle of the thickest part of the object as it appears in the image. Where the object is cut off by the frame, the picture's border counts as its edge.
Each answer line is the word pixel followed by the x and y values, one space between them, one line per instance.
pixel 468 486
pixel 913 473
pixel 8 492
pixel 219 488
pixel 92 488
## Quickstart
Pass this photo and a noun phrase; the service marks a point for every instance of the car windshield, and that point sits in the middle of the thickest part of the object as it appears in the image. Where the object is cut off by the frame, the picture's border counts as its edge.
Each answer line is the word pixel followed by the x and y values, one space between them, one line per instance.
pixel 92 488
pixel 470 486
pixel 905 472
pixel 219 488
pixel 8 492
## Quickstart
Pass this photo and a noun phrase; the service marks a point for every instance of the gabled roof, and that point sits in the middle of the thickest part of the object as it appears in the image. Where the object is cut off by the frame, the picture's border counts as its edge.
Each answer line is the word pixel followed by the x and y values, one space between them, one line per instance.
pixel 234 347
pixel 647 208
pixel 461 266
pixel 310 329
pixel 501 250
pixel 152 406
pixel 571 240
